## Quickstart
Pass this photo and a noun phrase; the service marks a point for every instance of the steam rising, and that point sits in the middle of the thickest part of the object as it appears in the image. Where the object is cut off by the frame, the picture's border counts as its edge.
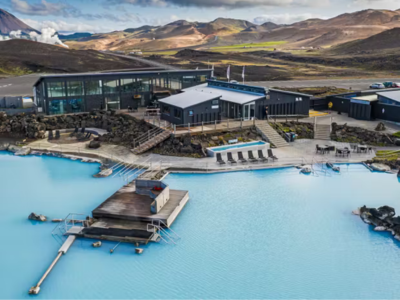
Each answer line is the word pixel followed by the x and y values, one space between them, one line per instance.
pixel 48 36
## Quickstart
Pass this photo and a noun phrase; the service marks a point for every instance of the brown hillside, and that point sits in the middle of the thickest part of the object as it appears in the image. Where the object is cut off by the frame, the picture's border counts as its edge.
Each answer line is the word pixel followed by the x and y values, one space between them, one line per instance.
pixel 23 56
pixel 389 39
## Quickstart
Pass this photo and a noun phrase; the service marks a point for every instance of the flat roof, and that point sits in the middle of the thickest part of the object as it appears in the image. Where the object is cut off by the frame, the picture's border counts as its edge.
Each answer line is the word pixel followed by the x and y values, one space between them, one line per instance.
pixel 290 93
pixel 393 95
pixel 18 86
pixel 188 99
pixel 370 98
pixel 97 74
pixel 238 97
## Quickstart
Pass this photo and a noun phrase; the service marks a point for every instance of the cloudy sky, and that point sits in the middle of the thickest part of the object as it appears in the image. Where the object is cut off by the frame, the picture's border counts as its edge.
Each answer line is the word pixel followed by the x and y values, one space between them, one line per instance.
pixel 109 15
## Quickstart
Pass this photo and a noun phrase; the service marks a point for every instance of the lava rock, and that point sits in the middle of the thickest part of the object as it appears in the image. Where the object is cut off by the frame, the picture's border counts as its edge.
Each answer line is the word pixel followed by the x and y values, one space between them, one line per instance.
pixel 36 217
pixel 94 145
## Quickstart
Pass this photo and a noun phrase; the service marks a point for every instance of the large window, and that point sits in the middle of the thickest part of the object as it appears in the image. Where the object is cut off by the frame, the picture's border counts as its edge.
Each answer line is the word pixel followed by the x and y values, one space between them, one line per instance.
pixel 56 89
pixel 57 107
pixel 178 113
pixel 165 109
pixel 111 86
pixel 128 85
pixel 75 88
pixel 144 84
pixel 175 83
pixel 76 105
pixel 112 102
pixel 93 87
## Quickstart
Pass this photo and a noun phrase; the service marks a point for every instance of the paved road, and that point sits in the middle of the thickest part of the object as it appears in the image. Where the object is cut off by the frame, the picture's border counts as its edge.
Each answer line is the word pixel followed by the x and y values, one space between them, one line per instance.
pixel 147 61
pixel 18 86
pixel 355 84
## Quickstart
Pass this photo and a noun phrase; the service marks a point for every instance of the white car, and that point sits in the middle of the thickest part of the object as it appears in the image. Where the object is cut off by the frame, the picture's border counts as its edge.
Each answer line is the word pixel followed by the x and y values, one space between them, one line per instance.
pixel 377 86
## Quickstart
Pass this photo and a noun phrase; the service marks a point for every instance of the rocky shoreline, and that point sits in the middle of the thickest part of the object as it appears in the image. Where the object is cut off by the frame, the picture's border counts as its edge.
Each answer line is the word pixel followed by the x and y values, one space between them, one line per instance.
pixel 382 218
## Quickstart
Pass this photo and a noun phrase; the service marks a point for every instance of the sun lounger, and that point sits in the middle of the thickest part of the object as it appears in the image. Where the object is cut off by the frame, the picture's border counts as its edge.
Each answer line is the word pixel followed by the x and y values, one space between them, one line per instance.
pixel 58 135
pixel 220 160
pixel 251 157
pixel 75 132
pixel 241 158
pixel 271 155
pixel 51 136
pixel 230 158
pixel 83 130
pixel 261 156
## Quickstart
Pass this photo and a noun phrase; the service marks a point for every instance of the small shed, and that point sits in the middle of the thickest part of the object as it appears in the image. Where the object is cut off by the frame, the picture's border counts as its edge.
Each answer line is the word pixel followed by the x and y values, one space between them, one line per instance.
pixel 191 107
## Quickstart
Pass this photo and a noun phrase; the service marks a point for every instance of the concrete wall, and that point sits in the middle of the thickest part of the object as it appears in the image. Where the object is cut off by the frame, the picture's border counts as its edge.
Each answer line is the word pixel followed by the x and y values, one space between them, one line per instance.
pixel 142 188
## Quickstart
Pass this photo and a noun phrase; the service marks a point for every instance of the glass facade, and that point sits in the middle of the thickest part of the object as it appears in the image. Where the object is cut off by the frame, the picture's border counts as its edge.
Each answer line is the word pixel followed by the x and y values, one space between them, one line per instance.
pixel 93 87
pixel 75 88
pixel 58 107
pixel 128 85
pixel 112 102
pixel 111 86
pixel 76 105
pixel 56 89
pixel 57 95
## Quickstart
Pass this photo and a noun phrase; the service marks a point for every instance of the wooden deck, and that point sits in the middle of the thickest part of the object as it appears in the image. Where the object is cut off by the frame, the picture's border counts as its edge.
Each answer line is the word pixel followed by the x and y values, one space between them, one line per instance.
pixel 125 204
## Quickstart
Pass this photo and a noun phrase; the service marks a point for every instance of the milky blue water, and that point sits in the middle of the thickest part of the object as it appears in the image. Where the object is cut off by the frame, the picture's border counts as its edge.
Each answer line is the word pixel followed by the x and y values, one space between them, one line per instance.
pixel 261 234
pixel 238 146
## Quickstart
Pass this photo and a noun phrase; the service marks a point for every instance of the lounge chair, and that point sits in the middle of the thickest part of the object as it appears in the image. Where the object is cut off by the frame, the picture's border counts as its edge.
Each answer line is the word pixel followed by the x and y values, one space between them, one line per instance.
pixel 261 156
pixel 251 157
pixel 230 158
pixel 220 160
pixel 241 158
pixel 83 130
pixel 58 135
pixel 51 136
pixel 271 155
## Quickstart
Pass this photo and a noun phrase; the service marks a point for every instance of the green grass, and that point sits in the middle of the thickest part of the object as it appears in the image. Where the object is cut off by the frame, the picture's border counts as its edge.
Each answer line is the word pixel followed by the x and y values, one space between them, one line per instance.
pixel 397 134
pixel 160 52
pixel 252 45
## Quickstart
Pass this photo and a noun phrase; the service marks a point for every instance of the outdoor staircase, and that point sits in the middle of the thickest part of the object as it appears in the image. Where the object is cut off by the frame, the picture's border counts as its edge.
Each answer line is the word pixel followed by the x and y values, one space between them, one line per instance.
pixel 270 134
pixel 150 140
pixel 322 132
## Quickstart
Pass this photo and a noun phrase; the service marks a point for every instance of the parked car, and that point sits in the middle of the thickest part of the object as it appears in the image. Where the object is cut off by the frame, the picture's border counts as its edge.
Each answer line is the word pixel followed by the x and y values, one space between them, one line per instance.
pixel 396 85
pixel 377 86
pixel 388 84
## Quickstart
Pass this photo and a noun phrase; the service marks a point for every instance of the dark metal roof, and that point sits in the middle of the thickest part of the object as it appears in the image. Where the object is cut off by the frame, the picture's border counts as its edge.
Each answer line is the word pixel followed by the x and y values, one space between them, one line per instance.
pixel 290 93
pixel 121 74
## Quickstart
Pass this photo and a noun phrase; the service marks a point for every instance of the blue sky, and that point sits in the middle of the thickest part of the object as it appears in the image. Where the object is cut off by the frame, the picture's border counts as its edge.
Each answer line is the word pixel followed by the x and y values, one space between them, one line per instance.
pixel 109 15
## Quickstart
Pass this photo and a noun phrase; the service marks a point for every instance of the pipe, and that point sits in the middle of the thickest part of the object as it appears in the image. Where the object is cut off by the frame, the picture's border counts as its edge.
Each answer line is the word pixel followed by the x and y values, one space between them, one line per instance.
pixel 64 248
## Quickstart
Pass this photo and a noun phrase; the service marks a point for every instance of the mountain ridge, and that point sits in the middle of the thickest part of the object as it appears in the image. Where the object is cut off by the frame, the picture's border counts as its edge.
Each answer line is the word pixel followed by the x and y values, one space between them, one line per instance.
pixel 9 23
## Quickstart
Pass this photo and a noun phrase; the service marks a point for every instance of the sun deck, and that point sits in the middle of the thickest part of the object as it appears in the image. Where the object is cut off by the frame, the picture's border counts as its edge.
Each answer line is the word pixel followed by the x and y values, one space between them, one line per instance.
pixel 125 204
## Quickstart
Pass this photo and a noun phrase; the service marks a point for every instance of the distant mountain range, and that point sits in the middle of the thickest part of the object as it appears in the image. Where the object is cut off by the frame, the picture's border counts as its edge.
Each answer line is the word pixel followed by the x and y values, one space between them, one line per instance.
pixel 9 22
pixel 180 34
pixel 220 32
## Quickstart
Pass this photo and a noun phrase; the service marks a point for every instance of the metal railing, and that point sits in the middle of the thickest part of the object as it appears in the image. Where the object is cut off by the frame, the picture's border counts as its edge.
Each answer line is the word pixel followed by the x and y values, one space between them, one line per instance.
pixel 167 235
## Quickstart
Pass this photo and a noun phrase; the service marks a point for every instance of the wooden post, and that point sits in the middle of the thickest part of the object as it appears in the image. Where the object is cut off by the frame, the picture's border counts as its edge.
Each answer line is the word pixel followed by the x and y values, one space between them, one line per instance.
pixel 215 124
pixel 174 128
pixel 202 127
pixel 241 123
pixel 189 127
pixel 228 123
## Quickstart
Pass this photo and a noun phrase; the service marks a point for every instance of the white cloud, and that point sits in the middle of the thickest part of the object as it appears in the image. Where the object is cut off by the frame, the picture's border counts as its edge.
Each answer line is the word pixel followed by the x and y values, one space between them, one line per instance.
pixel 231 4
pixel 285 18
pixel 66 26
